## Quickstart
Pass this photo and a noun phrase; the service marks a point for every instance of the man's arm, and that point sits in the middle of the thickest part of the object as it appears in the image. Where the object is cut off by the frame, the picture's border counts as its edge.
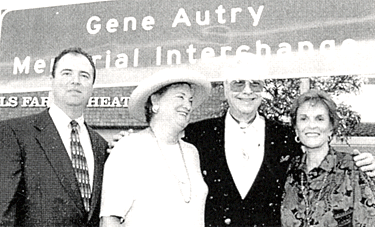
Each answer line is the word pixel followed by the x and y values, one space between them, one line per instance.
pixel 111 221
pixel 366 162
pixel 10 175
pixel 117 137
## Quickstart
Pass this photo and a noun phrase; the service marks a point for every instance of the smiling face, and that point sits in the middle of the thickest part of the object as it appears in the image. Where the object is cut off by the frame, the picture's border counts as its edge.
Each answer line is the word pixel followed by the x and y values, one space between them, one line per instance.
pixel 175 105
pixel 313 125
pixel 72 84
pixel 243 103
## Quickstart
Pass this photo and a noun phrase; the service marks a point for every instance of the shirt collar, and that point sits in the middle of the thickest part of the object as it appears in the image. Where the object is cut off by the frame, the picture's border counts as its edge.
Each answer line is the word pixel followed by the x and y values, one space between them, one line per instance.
pixel 61 119
pixel 328 164
pixel 258 122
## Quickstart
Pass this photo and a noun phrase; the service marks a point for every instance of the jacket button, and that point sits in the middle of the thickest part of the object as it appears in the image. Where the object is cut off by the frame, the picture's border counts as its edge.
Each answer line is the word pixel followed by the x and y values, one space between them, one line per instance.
pixel 227 221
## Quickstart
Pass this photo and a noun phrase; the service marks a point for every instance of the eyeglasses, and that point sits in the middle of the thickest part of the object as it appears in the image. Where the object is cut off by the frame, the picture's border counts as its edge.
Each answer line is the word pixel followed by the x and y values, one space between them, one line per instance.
pixel 239 85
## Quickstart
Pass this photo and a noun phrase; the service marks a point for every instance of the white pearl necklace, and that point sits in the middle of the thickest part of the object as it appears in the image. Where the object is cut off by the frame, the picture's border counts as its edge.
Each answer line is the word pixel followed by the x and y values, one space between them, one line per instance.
pixel 185 187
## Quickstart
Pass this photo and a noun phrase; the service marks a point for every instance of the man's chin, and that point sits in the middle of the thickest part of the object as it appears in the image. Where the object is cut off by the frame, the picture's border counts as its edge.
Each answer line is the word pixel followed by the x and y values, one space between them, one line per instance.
pixel 248 110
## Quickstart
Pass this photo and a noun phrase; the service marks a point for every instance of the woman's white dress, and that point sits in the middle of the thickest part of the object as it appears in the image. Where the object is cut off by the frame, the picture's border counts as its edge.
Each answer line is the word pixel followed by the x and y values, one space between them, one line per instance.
pixel 140 186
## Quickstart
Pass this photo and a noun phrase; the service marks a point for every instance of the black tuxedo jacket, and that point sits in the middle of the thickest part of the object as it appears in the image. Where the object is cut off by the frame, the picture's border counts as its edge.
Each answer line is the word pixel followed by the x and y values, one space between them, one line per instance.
pixel 37 181
pixel 224 205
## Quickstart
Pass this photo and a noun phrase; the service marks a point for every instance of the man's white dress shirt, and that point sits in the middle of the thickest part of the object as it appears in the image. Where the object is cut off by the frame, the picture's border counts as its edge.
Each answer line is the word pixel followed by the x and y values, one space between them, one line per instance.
pixel 244 151
pixel 62 123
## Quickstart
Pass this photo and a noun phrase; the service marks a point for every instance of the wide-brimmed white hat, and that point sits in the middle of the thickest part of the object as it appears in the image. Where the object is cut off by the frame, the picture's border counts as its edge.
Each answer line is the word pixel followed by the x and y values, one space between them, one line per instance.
pixel 162 78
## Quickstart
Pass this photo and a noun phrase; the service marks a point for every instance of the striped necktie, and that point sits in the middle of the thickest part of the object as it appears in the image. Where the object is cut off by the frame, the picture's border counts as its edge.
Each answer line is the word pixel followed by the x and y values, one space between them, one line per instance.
pixel 80 165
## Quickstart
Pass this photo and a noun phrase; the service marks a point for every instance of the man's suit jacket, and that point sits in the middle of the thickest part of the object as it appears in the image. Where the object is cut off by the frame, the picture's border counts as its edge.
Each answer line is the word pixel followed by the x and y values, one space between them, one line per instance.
pixel 224 205
pixel 38 184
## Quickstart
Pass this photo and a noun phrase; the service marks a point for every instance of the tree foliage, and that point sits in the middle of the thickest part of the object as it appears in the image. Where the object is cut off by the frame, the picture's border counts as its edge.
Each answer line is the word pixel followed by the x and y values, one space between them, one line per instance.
pixel 280 93
pixel 278 98
pixel 337 85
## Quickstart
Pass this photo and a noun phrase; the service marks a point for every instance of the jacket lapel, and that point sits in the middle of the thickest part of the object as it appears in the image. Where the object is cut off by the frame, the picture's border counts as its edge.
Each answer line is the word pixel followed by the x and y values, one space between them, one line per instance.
pixel 266 166
pixel 98 149
pixel 221 157
pixel 269 147
pixel 56 154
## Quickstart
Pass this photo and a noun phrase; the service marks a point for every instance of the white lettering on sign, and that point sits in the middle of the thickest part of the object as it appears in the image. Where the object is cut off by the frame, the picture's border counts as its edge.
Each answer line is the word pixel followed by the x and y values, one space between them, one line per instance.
pixel 94 25
pixel 183 18
pixel 39 66
pixel 174 56
pixel 190 54
pixel 23 67
pixel 121 61
pixel 34 102
pixel 108 102
pixel 8 102
pixel 38 102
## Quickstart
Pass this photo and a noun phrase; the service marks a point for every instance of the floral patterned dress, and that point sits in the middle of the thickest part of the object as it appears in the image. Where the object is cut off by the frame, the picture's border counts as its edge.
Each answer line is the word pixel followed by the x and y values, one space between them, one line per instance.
pixel 334 194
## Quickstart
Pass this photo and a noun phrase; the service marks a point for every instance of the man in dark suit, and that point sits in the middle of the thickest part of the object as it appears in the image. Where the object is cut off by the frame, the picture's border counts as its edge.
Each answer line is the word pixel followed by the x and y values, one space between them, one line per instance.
pixel 244 157
pixel 260 205
pixel 50 166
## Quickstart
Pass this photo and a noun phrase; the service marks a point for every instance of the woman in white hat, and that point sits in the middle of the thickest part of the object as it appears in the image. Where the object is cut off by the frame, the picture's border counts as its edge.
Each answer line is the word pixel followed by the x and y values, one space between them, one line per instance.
pixel 153 178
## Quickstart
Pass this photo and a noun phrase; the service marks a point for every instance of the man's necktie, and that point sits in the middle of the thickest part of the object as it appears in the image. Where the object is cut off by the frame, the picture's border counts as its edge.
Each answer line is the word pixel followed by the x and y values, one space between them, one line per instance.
pixel 80 165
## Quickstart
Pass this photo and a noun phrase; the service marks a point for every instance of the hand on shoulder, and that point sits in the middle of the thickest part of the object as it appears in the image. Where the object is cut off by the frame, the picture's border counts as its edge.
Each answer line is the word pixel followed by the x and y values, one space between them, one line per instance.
pixel 117 137
pixel 365 161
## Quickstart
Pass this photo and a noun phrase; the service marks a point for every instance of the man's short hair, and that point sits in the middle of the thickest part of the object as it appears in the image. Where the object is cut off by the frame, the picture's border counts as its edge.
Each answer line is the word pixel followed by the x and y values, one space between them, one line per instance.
pixel 74 50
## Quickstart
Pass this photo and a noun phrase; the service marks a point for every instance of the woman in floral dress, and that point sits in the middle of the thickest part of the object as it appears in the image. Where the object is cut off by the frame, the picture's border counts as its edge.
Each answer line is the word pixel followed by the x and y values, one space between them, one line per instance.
pixel 324 187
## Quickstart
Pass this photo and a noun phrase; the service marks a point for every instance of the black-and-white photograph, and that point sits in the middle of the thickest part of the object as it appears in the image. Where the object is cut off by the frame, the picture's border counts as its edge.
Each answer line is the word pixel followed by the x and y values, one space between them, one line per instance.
pixel 187 113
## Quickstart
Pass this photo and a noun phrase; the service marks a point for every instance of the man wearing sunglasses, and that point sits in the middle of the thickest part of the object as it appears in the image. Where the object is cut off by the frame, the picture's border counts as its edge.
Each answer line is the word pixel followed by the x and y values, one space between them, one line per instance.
pixel 243 156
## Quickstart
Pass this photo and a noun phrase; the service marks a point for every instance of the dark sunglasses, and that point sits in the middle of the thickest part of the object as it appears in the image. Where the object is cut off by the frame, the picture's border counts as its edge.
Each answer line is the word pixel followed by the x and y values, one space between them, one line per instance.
pixel 239 85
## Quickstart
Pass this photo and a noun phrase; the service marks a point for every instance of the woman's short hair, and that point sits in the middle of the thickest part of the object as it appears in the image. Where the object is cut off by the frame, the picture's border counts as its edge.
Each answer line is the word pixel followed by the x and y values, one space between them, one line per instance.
pixel 148 107
pixel 316 96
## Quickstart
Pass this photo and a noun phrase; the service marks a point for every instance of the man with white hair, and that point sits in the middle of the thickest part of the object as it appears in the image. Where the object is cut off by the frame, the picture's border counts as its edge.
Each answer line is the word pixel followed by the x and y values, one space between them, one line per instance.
pixel 244 157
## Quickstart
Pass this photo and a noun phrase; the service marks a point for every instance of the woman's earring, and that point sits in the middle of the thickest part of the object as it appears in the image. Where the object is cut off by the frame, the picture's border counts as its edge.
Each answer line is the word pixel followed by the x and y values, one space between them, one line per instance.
pixel 297 139
pixel 329 139
pixel 155 108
